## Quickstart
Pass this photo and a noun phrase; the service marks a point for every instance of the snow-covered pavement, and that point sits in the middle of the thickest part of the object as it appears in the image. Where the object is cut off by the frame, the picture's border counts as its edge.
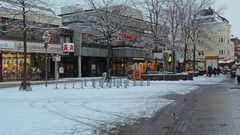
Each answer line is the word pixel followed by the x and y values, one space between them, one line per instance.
pixel 50 111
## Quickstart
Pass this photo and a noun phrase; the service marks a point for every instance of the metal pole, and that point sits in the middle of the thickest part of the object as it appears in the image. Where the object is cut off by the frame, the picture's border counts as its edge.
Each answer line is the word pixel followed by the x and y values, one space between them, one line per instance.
pixel 56 71
pixel 46 65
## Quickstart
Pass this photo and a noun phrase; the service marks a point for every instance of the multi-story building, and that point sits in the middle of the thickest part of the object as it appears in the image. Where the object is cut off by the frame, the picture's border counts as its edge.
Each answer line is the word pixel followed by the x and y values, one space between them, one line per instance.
pixel 236 42
pixel 91 50
pixel 11 45
pixel 214 42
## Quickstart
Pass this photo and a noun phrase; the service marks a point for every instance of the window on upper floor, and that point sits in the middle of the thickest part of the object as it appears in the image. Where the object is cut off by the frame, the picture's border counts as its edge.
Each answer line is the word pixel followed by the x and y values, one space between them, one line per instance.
pixel 201 53
pixel 221 52
pixel 221 28
pixel 221 40
pixel 65 39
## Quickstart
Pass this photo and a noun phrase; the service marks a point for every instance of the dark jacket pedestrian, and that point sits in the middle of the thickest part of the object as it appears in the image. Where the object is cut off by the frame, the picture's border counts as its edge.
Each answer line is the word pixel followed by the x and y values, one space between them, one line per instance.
pixel 215 71
pixel 218 71
pixel 209 71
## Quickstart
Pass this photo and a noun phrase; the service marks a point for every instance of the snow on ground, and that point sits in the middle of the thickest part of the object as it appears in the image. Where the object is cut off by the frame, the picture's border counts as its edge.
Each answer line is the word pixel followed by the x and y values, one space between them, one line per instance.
pixel 50 111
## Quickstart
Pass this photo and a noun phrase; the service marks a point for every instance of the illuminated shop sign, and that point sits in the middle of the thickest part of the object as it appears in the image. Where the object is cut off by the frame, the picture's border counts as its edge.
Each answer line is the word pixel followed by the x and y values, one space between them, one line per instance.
pixel 129 37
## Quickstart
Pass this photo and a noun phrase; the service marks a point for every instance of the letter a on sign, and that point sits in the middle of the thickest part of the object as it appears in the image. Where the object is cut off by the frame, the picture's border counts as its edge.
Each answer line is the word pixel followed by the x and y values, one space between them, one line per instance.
pixel 65 48
pixel 71 48
pixel 68 47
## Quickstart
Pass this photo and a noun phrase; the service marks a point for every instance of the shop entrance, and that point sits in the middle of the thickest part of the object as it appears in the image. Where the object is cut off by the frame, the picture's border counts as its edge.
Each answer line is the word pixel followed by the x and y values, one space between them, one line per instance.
pixel 12 66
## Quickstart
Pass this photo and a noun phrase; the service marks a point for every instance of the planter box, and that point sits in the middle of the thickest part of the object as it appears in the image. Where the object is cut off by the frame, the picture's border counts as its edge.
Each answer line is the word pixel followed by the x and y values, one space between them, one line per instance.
pixel 168 77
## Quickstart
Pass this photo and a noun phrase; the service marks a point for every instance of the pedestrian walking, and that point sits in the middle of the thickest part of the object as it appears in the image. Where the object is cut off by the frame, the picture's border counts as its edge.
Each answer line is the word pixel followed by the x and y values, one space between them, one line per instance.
pixel 215 71
pixel 209 71
pixel 218 71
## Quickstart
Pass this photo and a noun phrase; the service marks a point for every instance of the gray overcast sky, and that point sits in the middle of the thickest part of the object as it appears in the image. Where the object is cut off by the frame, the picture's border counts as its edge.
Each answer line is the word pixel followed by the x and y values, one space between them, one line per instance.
pixel 230 12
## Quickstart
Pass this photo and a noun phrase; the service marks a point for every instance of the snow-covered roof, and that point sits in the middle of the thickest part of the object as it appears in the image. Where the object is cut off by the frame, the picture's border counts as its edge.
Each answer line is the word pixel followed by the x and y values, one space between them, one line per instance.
pixel 209 15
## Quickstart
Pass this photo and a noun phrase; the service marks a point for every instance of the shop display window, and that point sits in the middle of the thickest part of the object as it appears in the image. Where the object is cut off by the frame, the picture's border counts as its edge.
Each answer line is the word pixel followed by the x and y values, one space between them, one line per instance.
pixel 12 66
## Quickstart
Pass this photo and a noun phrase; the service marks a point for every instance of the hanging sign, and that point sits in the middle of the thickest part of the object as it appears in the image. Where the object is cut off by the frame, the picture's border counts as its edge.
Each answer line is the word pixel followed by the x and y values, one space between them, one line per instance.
pixel 57 58
pixel 68 47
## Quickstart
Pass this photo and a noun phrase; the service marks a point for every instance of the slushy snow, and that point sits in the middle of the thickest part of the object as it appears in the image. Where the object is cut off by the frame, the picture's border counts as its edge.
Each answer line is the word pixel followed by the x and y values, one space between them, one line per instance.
pixel 51 111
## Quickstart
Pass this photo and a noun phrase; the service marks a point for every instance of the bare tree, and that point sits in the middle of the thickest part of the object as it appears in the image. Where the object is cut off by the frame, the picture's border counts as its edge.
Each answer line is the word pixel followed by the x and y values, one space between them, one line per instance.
pixel 109 17
pixel 154 12
pixel 25 15
pixel 174 17
pixel 191 29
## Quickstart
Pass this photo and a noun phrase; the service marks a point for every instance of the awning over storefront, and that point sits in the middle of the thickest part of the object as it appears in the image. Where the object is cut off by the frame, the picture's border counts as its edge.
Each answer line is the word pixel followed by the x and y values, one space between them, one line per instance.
pixel 225 61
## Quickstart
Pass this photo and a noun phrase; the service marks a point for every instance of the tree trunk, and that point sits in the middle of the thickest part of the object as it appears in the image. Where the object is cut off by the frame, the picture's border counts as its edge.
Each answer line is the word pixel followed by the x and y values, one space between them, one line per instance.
pixel 194 56
pixel 109 56
pixel 185 56
pixel 174 61
pixel 108 67
pixel 24 77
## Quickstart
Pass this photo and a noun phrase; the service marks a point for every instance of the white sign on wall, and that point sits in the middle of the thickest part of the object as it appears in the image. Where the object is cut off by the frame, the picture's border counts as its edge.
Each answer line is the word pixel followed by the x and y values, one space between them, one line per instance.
pixel 7 44
pixel 57 58
pixel 68 47
pixel 61 70
pixel 158 55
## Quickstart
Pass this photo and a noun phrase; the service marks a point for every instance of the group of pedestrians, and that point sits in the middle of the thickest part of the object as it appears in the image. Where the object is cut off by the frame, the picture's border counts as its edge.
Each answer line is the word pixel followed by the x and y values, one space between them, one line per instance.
pixel 215 71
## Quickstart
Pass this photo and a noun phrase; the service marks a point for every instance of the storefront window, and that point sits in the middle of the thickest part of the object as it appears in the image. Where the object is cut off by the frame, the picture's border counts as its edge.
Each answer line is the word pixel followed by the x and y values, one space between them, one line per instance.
pixel 12 66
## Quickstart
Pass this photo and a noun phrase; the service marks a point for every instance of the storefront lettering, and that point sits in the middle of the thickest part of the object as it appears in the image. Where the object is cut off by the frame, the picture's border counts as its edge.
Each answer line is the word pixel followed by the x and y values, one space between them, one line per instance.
pixel 17 46
pixel 129 37
pixel 39 48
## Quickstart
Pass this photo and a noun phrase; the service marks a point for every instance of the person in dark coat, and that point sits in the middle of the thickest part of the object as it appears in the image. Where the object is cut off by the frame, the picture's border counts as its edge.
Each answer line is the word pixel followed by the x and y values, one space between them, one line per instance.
pixel 218 71
pixel 209 71
pixel 215 71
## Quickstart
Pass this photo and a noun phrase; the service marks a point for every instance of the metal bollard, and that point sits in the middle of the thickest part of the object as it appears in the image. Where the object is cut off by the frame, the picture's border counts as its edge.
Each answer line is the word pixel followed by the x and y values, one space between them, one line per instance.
pixel 81 84
pixel 65 85
pixel 73 85
pixel 125 83
pixel 141 82
pixel 134 83
pixel 56 85
pixel 102 83
pixel 114 82
pixel 85 82
pixel 99 82
pixel 93 83
pixel 121 81
pixel 148 82
pixel 110 83
pixel 118 85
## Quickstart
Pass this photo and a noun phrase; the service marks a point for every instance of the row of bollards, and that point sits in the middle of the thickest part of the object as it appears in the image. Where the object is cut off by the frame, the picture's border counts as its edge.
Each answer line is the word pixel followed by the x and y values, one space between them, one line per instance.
pixel 103 84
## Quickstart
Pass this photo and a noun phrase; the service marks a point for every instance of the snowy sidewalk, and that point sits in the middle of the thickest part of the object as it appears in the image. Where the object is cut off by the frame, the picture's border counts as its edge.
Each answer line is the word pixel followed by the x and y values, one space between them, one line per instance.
pixel 85 111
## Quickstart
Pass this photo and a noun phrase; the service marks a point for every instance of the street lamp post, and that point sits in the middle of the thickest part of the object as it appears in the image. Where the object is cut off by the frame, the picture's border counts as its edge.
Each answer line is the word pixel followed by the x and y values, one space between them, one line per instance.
pixel 46 39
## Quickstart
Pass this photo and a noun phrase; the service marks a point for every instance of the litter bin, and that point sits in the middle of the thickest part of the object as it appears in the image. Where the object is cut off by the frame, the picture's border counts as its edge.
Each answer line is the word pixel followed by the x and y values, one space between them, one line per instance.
pixel 190 75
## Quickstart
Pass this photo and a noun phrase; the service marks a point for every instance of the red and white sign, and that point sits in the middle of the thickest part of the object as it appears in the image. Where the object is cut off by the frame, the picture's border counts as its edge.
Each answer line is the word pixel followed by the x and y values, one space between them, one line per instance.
pixel 68 47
